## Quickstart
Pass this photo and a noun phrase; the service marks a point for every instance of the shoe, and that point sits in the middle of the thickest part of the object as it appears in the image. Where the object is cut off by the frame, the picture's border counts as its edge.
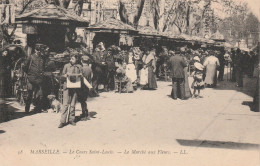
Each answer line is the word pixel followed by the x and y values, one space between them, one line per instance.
pixel 174 98
pixel 72 123
pixel 85 118
pixel 61 125
pixel 44 111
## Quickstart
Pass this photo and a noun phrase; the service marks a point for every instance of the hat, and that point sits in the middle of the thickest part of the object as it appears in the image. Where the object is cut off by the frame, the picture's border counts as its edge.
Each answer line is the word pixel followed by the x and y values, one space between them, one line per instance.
pixel 182 49
pixel 171 52
pixel 196 52
pixel 198 66
pixel 196 58
pixel 40 47
pixel 85 58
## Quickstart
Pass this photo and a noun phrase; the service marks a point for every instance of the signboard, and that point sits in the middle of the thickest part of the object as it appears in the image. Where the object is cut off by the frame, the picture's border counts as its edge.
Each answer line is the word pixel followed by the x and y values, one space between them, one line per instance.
pixel 7 14
pixel 30 29
pixel 109 13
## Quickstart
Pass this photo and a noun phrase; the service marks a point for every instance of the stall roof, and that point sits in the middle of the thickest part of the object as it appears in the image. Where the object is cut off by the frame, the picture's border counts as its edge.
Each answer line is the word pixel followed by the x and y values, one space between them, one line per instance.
pixel 218 37
pixel 111 25
pixel 52 14
pixel 148 30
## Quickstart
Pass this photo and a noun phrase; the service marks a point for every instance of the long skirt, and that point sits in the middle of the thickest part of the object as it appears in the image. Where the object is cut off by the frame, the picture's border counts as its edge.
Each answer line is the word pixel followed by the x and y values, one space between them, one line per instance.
pixel 131 72
pixel 211 72
pixel 152 84
pixel 147 77
pixel 144 76
pixel 186 84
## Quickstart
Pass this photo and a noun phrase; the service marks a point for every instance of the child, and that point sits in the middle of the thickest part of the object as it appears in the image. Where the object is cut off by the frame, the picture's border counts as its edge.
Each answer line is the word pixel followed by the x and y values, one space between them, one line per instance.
pixel 121 75
pixel 198 83
pixel 70 95
pixel 83 95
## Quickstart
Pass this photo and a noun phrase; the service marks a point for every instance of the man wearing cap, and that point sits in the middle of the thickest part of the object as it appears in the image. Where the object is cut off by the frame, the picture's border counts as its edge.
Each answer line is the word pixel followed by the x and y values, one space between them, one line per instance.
pixel 35 68
pixel 177 64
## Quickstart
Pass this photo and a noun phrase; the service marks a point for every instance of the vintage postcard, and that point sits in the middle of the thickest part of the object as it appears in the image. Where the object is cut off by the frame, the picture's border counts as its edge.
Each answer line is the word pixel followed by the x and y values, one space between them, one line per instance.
pixel 129 82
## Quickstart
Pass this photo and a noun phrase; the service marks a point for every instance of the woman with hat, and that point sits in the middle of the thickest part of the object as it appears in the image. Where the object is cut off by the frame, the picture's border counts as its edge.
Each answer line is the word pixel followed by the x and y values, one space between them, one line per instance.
pixel 185 69
pixel 149 64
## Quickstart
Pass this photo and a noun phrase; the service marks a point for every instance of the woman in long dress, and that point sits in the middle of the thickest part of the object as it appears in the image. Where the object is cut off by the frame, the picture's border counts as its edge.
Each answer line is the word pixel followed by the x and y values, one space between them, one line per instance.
pixel 149 68
pixel 130 67
pixel 211 63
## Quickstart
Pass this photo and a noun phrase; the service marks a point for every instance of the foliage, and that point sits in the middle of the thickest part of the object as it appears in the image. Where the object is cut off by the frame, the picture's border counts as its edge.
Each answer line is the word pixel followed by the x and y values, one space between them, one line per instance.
pixel 23 6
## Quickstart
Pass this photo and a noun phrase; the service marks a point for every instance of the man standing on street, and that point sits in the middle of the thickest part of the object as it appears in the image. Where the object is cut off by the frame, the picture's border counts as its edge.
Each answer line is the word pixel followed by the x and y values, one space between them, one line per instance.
pixel 35 68
pixel 177 64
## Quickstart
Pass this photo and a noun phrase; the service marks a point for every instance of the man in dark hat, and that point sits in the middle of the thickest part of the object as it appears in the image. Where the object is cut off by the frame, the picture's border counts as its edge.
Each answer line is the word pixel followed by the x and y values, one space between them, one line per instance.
pixel 99 68
pixel 177 64
pixel 110 61
pixel 35 68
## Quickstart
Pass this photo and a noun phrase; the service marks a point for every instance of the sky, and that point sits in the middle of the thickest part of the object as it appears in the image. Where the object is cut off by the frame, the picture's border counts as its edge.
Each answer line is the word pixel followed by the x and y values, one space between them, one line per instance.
pixel 254 6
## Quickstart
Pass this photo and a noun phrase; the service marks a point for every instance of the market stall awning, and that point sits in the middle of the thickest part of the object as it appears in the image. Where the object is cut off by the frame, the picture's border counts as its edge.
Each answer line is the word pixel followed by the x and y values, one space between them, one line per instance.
pixel 52 14
pixel 112 26
pixel 148 31
pixel 227 45
pixel 218 37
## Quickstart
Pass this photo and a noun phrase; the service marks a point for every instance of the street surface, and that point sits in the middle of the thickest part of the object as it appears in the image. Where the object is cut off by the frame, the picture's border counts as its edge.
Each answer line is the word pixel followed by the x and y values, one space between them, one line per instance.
pixel 141 128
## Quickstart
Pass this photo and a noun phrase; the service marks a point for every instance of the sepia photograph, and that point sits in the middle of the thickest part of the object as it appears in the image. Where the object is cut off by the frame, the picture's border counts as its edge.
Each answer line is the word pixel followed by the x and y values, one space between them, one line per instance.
pixel 129 82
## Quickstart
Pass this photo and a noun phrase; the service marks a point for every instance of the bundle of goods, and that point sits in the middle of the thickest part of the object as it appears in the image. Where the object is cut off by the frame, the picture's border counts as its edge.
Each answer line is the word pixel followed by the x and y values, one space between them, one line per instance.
pixel 117 53
pixel 62 57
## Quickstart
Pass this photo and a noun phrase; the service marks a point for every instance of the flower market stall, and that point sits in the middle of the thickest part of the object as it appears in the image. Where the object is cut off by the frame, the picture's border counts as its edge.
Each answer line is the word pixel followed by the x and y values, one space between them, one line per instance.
pixel 110 32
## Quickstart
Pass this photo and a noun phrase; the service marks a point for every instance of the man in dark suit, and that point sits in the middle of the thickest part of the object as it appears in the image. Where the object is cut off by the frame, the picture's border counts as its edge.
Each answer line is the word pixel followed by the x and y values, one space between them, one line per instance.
pixel 177 64
pixel 39 71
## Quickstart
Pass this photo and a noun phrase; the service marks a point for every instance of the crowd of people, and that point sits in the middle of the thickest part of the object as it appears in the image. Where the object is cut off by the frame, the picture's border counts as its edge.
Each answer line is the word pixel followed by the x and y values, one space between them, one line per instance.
pixel 127 69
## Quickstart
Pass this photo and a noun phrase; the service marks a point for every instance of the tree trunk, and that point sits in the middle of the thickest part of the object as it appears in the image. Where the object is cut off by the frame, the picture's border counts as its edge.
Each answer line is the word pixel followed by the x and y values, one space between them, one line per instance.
pixel 156 13
pixel 78 7
pixel 65 3
pixel 140 6
pixel 188 20
pixel 122 12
